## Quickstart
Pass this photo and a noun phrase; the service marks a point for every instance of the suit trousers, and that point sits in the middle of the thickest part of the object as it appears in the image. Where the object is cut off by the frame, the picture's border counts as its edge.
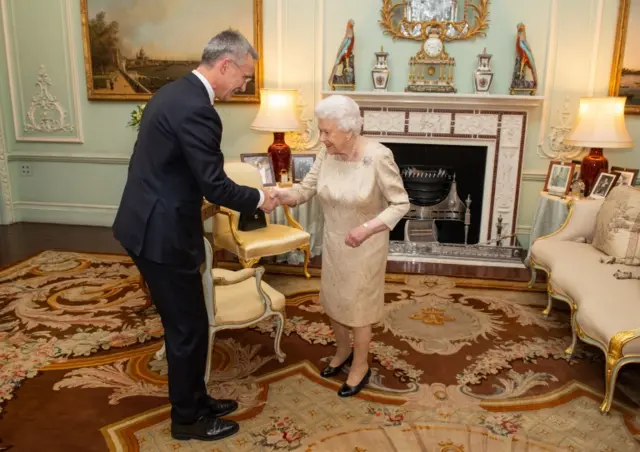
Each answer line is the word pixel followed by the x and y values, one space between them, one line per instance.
pixel 178 297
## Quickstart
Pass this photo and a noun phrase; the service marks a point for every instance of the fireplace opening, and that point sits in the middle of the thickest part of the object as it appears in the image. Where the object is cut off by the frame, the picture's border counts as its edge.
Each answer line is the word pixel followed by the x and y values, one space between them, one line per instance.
pixel 431 173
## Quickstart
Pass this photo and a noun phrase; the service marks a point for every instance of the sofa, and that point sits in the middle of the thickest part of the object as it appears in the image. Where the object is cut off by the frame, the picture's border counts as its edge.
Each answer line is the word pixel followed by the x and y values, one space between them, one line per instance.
pixel 593 264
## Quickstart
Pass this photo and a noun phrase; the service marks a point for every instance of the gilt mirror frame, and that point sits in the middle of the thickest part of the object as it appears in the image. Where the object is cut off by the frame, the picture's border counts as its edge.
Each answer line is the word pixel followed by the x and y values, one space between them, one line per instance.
pixel 617 67
pixel 475 17
pixel 252 95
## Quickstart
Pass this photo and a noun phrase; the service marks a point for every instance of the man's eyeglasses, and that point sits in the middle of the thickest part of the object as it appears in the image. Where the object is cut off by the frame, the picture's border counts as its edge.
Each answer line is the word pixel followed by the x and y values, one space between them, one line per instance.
pixel 247 78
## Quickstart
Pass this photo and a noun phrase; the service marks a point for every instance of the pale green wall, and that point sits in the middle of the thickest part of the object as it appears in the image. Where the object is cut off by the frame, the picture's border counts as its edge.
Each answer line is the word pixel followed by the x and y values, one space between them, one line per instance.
pixel 68 185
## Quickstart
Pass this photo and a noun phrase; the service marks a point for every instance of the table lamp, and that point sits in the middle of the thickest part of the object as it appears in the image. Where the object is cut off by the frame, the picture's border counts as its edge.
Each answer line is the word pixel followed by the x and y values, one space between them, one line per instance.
pixel 600 125
pixel 278 115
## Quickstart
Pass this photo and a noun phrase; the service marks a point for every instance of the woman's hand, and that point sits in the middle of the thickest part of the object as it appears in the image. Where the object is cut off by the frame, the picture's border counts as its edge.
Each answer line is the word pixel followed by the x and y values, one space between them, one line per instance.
pixel 284 197
pixel 357 236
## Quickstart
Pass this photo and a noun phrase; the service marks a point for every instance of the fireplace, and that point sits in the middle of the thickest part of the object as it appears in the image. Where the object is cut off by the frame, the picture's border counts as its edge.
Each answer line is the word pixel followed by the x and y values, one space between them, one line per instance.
pixel 480 136
pixel 466 164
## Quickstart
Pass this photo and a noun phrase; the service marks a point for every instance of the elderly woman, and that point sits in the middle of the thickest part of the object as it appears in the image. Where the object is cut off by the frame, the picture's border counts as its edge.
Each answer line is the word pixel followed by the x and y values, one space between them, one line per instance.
pixel 362 196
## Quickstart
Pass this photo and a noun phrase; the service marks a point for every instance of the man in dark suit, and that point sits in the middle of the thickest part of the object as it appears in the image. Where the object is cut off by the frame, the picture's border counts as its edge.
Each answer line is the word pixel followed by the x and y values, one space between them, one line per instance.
pixel 176 161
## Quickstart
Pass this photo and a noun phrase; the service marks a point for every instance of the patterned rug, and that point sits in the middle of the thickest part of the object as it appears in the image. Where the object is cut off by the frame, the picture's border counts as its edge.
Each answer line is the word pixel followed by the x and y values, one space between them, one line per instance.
pixel 458 365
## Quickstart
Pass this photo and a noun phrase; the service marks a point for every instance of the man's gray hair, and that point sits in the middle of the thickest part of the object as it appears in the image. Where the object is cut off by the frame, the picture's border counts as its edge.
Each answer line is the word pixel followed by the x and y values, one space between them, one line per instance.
pixel 229 43
pixel 341 109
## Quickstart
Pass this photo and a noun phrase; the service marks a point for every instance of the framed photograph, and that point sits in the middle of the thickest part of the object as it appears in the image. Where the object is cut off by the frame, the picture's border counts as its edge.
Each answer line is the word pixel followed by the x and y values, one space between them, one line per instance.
pixel 625 70
pixel 300 165
pixel 134 47
pixel 604 183
pixel 627 175
pixel 264 163
pixel 576 171
pixel 559 178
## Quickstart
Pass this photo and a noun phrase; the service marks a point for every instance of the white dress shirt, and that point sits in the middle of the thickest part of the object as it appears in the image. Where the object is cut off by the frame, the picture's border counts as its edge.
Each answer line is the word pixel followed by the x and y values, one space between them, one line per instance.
pixel 209 88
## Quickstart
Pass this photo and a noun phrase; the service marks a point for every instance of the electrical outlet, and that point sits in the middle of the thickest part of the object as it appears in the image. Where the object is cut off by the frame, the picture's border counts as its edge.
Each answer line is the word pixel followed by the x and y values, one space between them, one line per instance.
pixel 25 169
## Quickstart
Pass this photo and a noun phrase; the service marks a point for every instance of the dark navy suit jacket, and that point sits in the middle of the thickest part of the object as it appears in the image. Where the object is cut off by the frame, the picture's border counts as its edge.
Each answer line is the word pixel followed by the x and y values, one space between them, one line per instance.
pixel 176 161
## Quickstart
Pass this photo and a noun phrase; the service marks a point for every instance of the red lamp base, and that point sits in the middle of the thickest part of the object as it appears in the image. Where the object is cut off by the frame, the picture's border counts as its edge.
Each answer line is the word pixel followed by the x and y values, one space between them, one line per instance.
pixel 591 166
pixel 280 154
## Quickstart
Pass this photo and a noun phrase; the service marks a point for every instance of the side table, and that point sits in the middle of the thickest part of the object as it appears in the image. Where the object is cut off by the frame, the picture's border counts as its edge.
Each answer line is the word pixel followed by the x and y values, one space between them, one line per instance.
pixel 550 215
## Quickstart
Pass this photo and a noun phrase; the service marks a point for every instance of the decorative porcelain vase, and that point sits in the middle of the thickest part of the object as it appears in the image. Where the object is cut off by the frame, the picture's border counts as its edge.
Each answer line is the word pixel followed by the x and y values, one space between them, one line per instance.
pixel 483 76
pixel 380 72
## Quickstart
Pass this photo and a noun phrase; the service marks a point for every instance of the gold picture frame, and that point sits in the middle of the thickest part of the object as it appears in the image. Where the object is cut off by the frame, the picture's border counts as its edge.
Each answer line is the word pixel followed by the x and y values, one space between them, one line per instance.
pixel 473 23
pixel 117 85
pixel 633 105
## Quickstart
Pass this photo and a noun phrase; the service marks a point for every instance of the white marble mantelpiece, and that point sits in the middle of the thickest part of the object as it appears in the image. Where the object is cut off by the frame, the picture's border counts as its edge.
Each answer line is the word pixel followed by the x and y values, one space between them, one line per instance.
pixel 496 121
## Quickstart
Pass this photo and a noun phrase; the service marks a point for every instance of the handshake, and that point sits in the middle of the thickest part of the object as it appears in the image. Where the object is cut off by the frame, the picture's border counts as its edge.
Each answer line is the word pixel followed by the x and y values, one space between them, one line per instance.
pixel 277 197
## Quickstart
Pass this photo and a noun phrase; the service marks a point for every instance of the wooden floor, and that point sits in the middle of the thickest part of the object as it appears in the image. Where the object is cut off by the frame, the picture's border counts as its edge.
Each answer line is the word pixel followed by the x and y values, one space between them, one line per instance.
pixel 22 240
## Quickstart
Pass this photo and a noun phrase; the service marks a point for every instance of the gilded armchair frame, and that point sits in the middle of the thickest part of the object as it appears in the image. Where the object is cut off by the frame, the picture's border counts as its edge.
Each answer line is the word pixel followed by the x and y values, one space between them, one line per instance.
pixel 209 282
pixel 615 359
pixel 248 263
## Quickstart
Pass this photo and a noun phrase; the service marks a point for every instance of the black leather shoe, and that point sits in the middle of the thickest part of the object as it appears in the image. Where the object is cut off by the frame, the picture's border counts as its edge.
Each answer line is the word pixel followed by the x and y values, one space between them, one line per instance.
pixel 330 371
pixel 222 407
pixel 207 428
pixel 348 391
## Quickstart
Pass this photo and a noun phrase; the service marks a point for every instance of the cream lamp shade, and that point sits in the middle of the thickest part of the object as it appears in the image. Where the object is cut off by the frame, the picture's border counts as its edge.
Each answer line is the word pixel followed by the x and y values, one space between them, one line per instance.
pixel 277 111
pixel 600 124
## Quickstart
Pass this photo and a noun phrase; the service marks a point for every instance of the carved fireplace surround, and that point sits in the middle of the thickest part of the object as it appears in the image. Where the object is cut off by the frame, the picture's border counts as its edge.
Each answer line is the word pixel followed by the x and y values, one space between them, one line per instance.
pixel 498 122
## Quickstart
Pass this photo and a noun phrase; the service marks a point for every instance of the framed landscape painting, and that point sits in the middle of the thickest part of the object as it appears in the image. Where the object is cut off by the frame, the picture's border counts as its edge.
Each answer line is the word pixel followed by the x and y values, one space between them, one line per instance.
pixel 134 47
pixel 625 71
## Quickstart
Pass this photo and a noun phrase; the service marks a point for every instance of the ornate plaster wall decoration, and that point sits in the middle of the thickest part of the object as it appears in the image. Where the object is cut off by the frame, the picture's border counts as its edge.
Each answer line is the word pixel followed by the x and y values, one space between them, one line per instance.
pixel 45 113
pixel 6 210
pixel 308 138
pixel 556 149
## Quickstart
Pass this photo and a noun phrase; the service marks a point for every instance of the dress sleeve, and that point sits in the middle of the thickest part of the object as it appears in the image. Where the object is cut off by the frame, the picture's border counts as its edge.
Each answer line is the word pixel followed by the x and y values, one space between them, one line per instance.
pixel 392 187
pixel 307 188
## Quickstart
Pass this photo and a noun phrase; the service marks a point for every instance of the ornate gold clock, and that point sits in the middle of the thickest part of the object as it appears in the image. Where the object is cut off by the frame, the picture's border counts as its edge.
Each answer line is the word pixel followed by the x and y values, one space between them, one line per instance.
pixel 432 69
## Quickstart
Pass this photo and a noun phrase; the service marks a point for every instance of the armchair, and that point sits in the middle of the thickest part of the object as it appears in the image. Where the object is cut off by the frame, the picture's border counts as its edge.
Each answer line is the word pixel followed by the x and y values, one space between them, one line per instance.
pixel 236 300
pixel 251 246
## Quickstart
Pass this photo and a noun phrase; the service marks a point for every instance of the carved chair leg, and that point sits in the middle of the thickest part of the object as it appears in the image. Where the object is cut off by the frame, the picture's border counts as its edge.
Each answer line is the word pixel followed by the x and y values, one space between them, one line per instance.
pixel 574 335
pixel 611 375
pixel 280 322
pixel 248 263
pixel 160 353
pixel 547 310
pixel 307 255
pixel 207 372
pixel 533 271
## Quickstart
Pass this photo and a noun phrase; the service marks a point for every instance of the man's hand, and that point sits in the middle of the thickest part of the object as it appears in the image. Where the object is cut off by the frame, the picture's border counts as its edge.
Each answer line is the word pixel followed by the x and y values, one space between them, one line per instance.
pixel 356 236
pixel 270 202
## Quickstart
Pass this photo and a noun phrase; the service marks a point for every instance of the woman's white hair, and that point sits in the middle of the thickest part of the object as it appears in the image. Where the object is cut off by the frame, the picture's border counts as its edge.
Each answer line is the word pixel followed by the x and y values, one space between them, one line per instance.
pixel 341 109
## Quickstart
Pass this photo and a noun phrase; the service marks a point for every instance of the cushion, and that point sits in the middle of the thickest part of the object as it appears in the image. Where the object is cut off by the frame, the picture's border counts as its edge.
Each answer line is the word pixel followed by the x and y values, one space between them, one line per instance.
pixel 270 241
pixel 240 302
pixel 556 253
pixel 606 305
pixel 617 231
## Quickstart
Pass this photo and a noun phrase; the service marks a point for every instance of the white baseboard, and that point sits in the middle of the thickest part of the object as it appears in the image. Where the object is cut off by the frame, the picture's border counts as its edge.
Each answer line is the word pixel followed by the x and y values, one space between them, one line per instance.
pixel 65 213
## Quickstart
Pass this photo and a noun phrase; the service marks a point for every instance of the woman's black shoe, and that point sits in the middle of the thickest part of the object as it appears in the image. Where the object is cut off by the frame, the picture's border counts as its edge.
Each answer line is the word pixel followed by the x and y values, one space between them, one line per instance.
pixel 330 371
pixel 348 391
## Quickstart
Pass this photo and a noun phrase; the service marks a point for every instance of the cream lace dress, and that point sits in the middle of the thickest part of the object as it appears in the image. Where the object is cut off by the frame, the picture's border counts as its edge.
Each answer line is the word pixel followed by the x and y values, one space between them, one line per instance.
pixel 350 194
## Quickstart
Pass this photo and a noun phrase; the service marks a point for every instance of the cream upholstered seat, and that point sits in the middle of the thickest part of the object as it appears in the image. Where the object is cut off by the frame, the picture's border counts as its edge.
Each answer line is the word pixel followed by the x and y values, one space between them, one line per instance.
pixel 605 309
pixel 236 300
pixel 251 246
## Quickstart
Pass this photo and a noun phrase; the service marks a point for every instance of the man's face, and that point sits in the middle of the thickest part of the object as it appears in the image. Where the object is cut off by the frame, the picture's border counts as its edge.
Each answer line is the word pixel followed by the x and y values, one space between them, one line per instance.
pixel 236 74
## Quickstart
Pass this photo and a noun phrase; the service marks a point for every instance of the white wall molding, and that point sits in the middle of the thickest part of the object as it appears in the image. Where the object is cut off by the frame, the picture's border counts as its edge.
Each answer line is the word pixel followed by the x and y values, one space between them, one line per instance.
pixel 45 114
pixel 65 213
pixel 308 138
pixel 69 158
pixel 523 229
pixel 534 176
pixel 45 103
pixel 6 208
pixel 556 149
